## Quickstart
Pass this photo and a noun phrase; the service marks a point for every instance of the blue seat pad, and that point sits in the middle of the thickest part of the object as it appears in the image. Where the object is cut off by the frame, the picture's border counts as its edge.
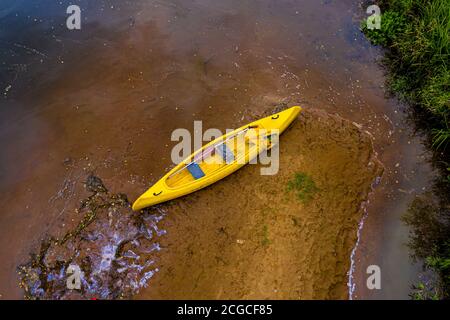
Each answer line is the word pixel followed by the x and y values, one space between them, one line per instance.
pixel 195 170
pixel 225 153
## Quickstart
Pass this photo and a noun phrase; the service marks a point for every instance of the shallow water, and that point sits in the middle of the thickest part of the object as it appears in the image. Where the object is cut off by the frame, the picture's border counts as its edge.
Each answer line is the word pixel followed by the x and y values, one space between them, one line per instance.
pixel 106 99
pixel 111 250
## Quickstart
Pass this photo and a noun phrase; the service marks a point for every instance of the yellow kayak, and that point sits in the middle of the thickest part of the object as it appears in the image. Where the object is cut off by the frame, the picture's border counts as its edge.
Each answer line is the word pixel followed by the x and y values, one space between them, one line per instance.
pixel 218 159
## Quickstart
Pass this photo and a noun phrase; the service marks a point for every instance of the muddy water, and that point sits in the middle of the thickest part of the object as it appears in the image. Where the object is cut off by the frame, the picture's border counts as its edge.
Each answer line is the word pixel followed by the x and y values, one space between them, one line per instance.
pixel 106 99
pixel 111 250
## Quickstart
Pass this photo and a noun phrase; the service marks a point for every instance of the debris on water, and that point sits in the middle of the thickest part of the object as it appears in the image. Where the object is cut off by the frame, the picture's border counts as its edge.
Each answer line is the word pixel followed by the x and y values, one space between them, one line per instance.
pixel 94 184
pixel 68 161
pixel 7 89
pixel 114 248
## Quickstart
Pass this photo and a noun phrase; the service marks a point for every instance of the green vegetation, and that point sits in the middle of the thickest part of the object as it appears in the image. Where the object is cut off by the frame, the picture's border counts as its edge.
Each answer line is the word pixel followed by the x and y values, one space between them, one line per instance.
pixel 441 137
pixel 265 233
pixel 416 32
pixel 303 186
pixel 417 38
pixel 421 292
pixel 429 240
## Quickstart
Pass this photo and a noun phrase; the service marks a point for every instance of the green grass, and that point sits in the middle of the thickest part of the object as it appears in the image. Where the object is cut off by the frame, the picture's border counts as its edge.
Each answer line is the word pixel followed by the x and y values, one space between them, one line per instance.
pixel 416 32
pixel 441 137
pixel 422 292
pixel 417 38
pixel 265 234
pixel 303 186
pixel 429 240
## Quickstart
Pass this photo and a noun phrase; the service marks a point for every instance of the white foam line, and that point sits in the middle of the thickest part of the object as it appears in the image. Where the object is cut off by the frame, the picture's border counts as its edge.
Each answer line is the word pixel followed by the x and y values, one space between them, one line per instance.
pixel 351 281
pixel 351 284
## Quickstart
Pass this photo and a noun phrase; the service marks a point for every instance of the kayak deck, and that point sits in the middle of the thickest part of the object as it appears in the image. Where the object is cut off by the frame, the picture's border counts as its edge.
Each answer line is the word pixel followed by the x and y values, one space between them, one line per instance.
pixel 213 160
pixel 218 159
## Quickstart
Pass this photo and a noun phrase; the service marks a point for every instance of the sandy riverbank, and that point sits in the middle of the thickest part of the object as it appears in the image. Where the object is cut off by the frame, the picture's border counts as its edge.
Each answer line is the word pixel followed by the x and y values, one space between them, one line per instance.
pixel 247 237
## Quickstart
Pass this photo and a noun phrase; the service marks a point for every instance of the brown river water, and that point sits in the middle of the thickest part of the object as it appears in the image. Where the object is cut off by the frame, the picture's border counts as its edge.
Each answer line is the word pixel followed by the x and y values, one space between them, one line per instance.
pixel 106 98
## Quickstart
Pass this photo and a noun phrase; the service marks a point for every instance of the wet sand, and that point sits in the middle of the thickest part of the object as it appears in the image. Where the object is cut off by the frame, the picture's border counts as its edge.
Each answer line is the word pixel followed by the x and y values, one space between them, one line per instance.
pixel 107 98
pixel 248 237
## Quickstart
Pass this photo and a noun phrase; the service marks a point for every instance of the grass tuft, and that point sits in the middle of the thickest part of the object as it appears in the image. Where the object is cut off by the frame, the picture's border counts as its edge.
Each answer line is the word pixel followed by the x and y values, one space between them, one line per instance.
pixel 265 234
pixel 429 241
pixel 303 186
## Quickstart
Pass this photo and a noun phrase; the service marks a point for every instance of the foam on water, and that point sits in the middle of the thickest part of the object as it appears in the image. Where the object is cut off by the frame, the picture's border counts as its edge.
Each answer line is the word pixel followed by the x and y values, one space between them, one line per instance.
pixel 114 247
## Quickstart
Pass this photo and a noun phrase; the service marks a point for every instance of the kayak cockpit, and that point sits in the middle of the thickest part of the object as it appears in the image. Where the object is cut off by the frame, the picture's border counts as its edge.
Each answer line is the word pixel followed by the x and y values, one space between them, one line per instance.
pixel 213 158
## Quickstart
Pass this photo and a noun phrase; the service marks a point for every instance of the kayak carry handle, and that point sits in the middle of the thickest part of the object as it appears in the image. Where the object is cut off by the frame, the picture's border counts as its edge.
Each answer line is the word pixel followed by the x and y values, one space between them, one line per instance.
pixel 157 194
pixel 275 117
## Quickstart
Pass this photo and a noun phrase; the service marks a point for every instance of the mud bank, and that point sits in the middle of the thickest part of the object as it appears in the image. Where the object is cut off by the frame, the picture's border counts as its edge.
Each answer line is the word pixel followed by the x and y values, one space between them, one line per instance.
pixel 247 237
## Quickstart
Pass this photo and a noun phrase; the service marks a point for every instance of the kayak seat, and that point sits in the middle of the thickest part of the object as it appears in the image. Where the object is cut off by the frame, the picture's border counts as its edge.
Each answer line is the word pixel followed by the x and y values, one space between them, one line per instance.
pixel 195 170
pixel 225 153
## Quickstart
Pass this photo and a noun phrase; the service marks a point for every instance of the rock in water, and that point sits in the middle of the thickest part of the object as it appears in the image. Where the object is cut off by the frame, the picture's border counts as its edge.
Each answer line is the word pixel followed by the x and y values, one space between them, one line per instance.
pixel 95 184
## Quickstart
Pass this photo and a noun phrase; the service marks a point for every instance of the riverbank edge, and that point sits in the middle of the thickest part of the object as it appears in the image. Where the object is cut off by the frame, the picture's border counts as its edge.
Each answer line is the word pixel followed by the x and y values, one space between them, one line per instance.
pixel 417 74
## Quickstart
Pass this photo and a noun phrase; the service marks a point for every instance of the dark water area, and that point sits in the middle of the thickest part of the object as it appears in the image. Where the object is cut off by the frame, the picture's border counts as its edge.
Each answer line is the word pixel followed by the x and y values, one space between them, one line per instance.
pixel 107 97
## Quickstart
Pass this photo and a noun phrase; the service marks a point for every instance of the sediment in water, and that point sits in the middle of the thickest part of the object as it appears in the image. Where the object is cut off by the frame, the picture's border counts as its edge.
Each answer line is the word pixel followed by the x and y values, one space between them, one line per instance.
pixel 113 247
